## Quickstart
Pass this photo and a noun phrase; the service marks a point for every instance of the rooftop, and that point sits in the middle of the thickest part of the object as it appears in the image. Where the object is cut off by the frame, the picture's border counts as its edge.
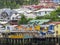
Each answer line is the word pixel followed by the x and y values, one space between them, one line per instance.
pixel 39 21
pixel 54 23
pixel 46 9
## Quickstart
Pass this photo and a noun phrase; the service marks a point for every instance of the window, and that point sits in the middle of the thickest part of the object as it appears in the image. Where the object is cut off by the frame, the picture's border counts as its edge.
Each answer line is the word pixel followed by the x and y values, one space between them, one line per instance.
pixel 15 13
pixel 16 28
pixel 56 32
pixel 45 12
pixel 8 28
pixel 13 18
pixel 8 18
pixel 39 13
pixel 1 18
pixel 57 26
pixel 51 27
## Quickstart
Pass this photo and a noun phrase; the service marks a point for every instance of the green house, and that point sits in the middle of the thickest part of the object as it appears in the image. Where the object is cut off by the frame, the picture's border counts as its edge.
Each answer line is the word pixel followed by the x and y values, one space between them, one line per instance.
pixel 39 21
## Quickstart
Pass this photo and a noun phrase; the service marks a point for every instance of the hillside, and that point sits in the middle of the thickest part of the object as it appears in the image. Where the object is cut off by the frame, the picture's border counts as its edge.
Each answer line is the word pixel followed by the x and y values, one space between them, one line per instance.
pixel 16 3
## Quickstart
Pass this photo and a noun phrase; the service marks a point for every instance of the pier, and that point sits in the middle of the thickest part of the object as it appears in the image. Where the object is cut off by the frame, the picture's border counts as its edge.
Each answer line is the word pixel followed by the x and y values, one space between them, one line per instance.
pixel 28 41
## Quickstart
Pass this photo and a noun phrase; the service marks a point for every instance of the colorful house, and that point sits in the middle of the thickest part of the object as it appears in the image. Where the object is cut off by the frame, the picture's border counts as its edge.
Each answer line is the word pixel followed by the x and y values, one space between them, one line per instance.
pixel 37 28
pixel 56 28
pixel 44 27
pixel 38 24
pixel 28 28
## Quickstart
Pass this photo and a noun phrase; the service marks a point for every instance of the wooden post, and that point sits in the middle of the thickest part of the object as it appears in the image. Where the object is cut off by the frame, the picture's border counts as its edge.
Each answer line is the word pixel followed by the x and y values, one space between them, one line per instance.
pixel 23 41
pixel 57 43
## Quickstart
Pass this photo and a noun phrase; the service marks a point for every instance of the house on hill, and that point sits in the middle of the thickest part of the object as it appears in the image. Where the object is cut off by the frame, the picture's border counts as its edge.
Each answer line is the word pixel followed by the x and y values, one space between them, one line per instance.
pixel 43 11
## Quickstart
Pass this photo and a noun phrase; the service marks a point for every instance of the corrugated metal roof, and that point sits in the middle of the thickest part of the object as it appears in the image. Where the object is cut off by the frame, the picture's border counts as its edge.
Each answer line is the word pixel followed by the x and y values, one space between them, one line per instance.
pixel 39 21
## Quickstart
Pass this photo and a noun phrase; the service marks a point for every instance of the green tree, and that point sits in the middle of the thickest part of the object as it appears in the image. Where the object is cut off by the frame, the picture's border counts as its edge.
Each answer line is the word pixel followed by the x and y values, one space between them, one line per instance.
pixel 16 3
pixel 39 17
pixel 29 19
pixel 23 20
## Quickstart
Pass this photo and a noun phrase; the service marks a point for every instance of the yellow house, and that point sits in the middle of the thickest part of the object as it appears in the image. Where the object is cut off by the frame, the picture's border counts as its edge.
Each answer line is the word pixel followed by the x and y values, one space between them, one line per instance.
pixel 56 28
pixel 37 27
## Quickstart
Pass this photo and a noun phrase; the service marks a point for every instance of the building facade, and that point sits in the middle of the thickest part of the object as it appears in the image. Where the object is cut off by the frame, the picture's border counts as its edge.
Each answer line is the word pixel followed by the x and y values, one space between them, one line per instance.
pixel 44 11
pixel 56 28
pixel 55 1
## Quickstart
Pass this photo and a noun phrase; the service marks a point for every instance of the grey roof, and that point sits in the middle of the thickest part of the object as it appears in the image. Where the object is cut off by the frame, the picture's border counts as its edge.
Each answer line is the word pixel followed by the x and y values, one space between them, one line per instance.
pixel 9 11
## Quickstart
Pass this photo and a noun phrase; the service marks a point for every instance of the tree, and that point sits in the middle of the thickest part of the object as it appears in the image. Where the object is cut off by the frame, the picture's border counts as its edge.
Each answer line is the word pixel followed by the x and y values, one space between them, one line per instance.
pixel 23 20
pixel 29 19
pixel 16 3
pixel 54 15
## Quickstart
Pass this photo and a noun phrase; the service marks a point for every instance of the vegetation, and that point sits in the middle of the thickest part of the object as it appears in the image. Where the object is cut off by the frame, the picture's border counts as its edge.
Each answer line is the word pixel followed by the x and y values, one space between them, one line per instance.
pixel 24 20
pixel 54 16
pixel 16 3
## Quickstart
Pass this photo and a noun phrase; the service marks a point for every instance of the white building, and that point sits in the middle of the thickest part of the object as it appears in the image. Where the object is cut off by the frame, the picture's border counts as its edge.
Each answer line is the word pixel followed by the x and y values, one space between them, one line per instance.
pixel 43 11
pixel 26 12
pixel 7 28
pixel 6 14
pixel 15 17
pixel 23 10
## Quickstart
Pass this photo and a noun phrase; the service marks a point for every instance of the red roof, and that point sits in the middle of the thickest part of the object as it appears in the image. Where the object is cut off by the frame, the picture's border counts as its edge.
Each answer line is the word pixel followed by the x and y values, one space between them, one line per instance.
pixel 54 23
pixel 37 6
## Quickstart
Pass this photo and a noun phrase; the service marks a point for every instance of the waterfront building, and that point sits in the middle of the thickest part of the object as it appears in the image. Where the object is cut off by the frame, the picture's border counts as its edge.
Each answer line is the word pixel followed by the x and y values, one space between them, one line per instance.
pixel 56 28
pixel 43 29
pixel 2 26
pixel 28 28
pixel 7 28
pixel 14 19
